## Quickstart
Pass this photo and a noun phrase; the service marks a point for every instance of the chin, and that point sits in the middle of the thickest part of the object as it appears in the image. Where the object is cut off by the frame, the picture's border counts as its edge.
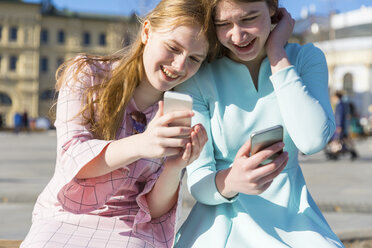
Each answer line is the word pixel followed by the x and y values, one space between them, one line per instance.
pixel 164 87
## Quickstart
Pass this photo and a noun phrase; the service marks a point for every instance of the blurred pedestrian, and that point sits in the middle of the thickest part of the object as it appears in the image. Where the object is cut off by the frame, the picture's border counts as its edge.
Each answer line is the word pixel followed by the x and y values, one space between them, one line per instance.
pixel 17 122
pixel 342 135
pixel 25 120
pixel 356 128
pixel 1 120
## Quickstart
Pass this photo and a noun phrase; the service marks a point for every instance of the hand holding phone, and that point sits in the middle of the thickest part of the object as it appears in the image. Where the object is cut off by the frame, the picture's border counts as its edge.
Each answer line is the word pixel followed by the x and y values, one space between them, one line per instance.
pixel 175 101
pixel 265 138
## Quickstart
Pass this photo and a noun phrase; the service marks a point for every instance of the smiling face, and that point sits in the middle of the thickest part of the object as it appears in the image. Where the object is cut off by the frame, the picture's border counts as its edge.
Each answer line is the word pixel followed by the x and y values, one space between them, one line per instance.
pixel 172 56
pixel 243 28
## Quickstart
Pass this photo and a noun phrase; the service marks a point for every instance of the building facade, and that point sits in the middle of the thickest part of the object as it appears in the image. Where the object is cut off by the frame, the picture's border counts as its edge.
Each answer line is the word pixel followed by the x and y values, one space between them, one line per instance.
pixel 346 40
pixel 36 38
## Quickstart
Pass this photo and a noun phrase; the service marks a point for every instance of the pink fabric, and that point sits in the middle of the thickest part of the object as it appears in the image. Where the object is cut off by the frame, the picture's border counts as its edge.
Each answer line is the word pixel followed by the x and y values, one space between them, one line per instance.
pixel 114 203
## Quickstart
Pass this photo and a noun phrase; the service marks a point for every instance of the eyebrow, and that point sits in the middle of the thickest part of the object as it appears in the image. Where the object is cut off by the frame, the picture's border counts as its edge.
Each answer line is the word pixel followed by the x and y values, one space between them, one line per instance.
pixel 201 56
pixel 252 12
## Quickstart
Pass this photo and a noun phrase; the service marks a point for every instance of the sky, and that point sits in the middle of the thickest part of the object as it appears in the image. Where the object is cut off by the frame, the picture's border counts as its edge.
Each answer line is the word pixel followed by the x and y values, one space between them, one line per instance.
pixel 140 7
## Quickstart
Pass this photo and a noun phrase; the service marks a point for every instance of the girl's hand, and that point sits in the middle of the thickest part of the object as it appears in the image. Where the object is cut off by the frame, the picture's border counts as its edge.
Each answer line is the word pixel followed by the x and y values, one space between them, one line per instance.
pixel 247 175
pixel 279 36
pixel 192 150
pixel 159 140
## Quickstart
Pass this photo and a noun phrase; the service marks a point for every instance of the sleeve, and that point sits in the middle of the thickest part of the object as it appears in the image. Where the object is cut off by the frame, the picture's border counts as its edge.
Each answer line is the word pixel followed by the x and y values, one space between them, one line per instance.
pixel 76 147
pixel 158 231
pixel 202 172
pixel 303 99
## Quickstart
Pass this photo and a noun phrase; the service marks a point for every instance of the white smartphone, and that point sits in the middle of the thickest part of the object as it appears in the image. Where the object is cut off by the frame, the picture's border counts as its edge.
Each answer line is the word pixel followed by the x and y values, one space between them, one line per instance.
pixel 265 138
pixel 175 101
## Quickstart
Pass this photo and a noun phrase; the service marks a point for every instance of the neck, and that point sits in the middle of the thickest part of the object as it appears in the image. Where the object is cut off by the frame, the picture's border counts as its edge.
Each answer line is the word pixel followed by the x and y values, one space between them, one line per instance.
pixel 253 65
pixel 145 96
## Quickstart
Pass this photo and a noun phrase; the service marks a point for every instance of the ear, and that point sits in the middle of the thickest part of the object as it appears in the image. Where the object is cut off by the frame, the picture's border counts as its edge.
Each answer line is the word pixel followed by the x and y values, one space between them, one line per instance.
pixel 272 12
pixel 145 32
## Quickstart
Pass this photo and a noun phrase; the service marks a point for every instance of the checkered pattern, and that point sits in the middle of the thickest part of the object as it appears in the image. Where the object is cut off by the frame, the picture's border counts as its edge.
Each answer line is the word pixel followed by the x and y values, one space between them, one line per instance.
pixel 106 211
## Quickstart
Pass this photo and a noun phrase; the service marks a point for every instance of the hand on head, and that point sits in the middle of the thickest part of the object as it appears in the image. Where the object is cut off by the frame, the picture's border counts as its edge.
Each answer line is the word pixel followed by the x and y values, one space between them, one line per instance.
pixel 282 31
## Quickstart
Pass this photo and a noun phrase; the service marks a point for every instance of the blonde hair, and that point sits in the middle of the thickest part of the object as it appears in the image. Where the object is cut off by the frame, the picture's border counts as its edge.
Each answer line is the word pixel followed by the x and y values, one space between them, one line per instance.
pixel 104 103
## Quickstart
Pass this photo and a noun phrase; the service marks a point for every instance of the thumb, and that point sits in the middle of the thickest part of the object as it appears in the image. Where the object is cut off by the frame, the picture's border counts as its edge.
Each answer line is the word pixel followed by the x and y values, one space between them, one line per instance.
pixel 245 149
pixel 160 110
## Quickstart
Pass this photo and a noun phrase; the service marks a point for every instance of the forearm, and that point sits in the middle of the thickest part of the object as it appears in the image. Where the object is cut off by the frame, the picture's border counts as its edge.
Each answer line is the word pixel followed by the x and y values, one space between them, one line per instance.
pixel 117 154
pixel 165 192
pixel 309 121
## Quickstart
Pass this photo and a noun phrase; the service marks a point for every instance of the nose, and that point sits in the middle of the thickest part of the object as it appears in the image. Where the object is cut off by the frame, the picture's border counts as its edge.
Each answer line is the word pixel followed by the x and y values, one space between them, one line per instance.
pixel 179 62
pixel 237 34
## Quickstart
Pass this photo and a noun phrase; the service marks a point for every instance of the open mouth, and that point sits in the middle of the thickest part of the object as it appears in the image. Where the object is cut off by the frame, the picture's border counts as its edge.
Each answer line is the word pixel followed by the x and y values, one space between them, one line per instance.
pixel 168 73
pixel 245 47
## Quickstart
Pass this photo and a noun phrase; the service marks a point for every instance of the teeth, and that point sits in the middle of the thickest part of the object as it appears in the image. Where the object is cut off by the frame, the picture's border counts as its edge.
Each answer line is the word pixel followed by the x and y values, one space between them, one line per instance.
pixel 245 44
pixel 168 73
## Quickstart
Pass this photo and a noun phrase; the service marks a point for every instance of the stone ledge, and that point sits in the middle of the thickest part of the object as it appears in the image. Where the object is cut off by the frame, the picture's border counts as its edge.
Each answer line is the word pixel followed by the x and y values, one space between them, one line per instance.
pixel 4 243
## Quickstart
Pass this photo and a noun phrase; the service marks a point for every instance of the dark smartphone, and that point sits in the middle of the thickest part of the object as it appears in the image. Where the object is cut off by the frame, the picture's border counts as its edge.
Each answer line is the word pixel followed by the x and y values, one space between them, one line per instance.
pixel 265 138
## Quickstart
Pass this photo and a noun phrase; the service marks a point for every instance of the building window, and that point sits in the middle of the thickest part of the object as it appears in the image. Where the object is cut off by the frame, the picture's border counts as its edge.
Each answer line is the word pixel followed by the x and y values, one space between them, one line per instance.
pixel 102 39
pixel 86 38
pixel 60 62
pixel 5 100
pixel 348 84
pixel 13 63
pixel 127 40
pixel 49 94
pixel 44 64
pixel 61 37
pixel 44 36
pixel 13 34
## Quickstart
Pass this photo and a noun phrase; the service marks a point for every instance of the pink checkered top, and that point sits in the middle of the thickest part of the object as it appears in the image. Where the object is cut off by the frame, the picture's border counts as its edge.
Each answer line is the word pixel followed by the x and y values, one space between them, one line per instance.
pixel 115 201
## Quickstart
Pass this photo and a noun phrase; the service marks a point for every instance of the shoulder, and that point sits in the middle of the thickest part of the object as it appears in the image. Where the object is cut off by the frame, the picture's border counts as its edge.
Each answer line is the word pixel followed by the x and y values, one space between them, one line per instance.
pixel 94 65
pixel 85 70
pixel 296 51
pixel 209 76
pixel 203 76
pixel 306 57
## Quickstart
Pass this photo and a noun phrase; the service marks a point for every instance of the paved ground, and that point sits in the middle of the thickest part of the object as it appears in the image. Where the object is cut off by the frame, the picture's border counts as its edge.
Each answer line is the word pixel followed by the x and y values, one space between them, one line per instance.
pixel 341 188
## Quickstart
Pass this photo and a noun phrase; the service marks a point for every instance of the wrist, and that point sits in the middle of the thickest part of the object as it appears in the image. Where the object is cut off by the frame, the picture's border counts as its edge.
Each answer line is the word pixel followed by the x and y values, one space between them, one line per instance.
pixel 278 61
pixel 223 184
pixel 276 54
pixel 139 144
pixel 171 169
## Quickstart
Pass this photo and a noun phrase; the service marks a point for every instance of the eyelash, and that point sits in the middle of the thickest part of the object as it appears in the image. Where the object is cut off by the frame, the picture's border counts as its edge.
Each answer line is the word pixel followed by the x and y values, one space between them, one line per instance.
pixel 250 18
pixel 173 49
pixel 195 59
pixel 220 24
pixel 245 19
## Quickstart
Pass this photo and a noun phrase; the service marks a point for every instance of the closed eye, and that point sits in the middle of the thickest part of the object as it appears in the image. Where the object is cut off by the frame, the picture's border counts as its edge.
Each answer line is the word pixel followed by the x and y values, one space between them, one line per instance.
pixel 173 49
pixel 195 59
pixel 249 18
pixel 221 24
